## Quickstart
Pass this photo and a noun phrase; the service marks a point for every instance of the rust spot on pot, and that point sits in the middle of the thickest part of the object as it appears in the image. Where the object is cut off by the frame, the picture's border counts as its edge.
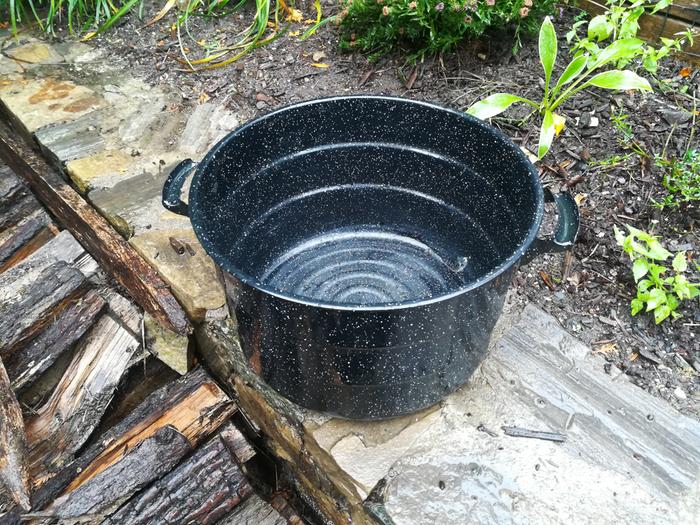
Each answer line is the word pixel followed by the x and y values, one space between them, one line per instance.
pixel 81 104
pixel 51 90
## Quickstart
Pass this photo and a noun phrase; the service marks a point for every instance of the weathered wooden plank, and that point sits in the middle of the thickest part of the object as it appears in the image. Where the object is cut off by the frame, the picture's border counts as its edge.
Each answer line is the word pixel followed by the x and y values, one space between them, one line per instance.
pixel 32 359
pixel 13 210
pixel 30 301
pixel 237 444
pixel 194 405
pixel 201 490
pixel 60 427
pixel 114 254
pixel 253 511
pixel 107 491
pixel 282 506
pixel 21 235
pixel 14 477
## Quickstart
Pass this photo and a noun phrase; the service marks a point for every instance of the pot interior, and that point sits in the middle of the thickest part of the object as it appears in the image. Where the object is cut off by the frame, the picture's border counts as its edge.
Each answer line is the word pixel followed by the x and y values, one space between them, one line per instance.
pixel 365 202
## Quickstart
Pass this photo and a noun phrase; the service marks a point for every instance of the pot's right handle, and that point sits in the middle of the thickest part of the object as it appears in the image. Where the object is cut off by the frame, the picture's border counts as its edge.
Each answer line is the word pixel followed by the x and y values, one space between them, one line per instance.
pixel 172 189
pixel 567 227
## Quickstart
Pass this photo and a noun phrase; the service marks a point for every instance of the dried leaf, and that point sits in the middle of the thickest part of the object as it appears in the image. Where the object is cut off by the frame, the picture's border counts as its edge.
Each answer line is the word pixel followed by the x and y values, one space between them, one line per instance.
pixel 294 15
pixel 203 97
pixel 580 198
pixel 167 7
pixel 547 281
pixel 606 349
pixel 319 65
pixel 685 72
pixel 559 123
pixel 633 356
pixel 294 33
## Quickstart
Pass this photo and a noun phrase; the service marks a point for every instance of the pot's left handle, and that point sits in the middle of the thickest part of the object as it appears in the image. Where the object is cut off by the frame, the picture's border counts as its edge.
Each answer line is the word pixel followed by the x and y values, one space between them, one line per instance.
pixel 172 189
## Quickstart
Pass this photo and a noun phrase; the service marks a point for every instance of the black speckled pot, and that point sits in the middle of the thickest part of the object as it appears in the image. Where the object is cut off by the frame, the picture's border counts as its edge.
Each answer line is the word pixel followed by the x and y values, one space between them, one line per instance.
pixel 367 244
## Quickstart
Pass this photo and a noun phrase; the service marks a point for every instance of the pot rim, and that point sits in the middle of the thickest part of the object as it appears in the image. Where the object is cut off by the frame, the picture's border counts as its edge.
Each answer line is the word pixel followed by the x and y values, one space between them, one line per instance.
pixel 225 264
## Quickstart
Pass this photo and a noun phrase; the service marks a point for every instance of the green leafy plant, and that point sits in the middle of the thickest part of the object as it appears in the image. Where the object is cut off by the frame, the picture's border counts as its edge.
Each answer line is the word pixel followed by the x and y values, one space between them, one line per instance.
pixel 431 26
pixel 657 292
pixel 581 73
pixel 621 21
pixel 681 179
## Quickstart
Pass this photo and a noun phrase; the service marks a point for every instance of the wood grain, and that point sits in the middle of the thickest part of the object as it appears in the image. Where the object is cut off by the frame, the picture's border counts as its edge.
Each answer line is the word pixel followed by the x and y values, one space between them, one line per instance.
pixel 14 476
pixel 112 251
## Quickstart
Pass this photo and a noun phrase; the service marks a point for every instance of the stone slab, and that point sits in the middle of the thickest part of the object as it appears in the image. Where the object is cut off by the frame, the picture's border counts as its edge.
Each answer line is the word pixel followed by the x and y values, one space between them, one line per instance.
pixel 191 274
pixel 33 52
pixel 110 164
pixel 171 348
pixel 628 457
pixel 133 205
pixel 35 103
pixel 206 125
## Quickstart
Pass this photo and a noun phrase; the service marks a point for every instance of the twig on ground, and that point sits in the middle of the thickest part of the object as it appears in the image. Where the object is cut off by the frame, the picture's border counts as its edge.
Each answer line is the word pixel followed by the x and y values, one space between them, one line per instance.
pixel 535 434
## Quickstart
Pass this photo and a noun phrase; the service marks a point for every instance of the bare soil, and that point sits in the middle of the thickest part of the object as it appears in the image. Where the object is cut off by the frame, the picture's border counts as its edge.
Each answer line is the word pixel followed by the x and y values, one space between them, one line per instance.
pixel 588 292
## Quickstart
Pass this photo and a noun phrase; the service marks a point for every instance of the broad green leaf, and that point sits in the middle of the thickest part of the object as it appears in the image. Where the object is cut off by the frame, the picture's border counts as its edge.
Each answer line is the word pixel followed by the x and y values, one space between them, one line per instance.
pixel 693 291
pixel 644 285
pixel 637 306
pixel 619 236
pixel 656 251
pixel 672 302
pixel 625 48
pixel 661 4
pixel 661 313
pixel 640 268
pixel 681 287
pixel 656 298
pixel 618 79
pixel 600 28
pixel 573 70
pixel 546 134
pixel 495 104
pixel 680 264
pixel 547 48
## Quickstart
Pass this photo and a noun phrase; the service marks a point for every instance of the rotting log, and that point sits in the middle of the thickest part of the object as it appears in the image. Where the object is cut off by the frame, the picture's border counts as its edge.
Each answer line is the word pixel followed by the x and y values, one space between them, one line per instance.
pixel 194 405
pixel 41 238
pixel 25 239
pixel 32 359
pixel 115 255
pixel 254 511
pixel 61 426
pixel 107 491
pixel 203 489
pixel 14 476
pixel 31 297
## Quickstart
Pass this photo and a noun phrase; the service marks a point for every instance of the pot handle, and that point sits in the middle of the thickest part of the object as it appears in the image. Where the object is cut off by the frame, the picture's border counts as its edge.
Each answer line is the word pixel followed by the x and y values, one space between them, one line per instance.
pixel 172 188
pixel 567 227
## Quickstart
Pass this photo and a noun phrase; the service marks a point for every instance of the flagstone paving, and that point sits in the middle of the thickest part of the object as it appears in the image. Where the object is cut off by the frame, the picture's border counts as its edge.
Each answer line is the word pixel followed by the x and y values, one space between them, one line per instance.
pixel 117 138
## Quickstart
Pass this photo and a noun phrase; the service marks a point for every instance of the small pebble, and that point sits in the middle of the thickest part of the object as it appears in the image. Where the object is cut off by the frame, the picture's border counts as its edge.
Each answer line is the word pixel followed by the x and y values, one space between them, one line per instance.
pixel 678 392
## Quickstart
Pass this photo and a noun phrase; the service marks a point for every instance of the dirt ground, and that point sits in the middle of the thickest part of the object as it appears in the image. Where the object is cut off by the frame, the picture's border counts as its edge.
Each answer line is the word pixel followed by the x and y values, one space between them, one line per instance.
pixel 590 292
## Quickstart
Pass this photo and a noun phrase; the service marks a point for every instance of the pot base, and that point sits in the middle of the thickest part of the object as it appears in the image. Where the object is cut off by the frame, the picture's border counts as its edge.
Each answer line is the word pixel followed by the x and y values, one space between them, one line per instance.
pixel 362 268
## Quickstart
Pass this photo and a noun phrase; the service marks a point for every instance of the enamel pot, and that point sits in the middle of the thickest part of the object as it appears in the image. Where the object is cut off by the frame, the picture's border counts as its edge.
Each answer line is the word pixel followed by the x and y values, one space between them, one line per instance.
pixel 367 244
